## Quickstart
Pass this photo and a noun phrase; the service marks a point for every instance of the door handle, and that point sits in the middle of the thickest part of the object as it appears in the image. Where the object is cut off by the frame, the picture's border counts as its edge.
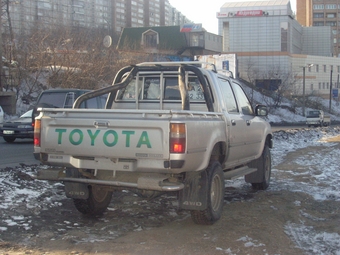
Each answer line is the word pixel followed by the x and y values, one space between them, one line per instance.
pixel 248 123
pixel 233 122
pixel 101 124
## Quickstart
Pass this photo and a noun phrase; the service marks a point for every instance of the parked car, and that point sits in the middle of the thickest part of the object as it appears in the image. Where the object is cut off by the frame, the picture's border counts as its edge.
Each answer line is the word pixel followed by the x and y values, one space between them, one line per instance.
pixel 317 118
pixel 64 98
pixel 18 128
pixel 1 116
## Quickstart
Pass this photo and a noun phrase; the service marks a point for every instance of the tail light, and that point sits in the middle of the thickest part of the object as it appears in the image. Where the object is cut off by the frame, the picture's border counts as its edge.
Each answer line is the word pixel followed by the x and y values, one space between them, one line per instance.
pixel 37 128
pixel 177 138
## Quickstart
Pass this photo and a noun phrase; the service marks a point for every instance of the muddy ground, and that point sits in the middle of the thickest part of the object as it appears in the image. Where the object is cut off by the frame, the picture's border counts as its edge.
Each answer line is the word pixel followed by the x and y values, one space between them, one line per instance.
pixel 276 221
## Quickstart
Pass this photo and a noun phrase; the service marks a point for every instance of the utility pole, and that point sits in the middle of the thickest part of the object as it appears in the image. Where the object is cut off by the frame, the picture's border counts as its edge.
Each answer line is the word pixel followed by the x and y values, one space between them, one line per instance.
pixel 1 69
pixel 304 87
pixel 303 90
pixel 330 92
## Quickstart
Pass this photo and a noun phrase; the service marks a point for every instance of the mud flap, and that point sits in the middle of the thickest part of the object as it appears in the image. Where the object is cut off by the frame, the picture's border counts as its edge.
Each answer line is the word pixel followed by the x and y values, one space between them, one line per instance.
pixel 76 190
pixel 194 196
pixel 73 189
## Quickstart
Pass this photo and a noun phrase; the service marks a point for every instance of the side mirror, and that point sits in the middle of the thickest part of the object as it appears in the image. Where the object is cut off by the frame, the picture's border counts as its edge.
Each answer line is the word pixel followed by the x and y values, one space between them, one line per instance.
pixel 261 110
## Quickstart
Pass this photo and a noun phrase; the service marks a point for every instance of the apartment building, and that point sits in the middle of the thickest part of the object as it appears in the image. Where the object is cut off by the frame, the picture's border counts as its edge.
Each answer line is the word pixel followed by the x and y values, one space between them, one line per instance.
pixel 112 15
pixel 321 13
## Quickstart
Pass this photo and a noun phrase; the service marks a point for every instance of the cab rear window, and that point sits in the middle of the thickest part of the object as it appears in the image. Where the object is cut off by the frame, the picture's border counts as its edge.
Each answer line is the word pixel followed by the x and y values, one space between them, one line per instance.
pixel 150 88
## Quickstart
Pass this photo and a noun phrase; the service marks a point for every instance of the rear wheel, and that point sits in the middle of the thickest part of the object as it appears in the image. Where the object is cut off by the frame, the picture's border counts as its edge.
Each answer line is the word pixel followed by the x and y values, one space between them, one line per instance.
pixel 9 139
pixel 215 197
pixel 97 202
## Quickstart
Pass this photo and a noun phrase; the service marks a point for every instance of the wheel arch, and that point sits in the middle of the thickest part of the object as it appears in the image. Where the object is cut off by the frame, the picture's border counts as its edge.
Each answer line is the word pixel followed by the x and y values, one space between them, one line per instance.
pixel 219 152
pixel 269 141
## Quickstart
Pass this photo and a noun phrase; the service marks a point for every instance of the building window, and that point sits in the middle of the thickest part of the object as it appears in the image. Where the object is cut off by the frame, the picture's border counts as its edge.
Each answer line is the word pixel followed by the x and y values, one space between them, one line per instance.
pixel 317 68
pixel 330 6
pixel 327 85
pixel 150 39
pixel 196 40
pixel 324 68
pixel 318 15
pixel 338 67
pixel 331 23
pixel 311 87
pixel 318 24
pixel 318 7
pixel 331 15
pixel 323 85
pixel 284 36
pixel 319 85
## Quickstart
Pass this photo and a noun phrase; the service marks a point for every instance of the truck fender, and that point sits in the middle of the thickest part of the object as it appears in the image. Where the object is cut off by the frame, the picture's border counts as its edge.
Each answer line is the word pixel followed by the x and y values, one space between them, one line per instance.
pixel 195 192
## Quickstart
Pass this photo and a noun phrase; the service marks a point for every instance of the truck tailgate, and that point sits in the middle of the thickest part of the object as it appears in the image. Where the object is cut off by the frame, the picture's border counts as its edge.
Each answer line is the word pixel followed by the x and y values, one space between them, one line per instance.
pixel 106 133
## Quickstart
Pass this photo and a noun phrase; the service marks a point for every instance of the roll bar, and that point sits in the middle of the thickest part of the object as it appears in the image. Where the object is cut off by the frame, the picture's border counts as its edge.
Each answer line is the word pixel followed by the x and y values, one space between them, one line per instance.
pixel 180 67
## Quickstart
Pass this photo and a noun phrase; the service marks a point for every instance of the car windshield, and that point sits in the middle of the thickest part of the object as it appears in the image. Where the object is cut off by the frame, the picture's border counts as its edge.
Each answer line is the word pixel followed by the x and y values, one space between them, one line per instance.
pixel 313 114
pixel 27 114
pixel 56 100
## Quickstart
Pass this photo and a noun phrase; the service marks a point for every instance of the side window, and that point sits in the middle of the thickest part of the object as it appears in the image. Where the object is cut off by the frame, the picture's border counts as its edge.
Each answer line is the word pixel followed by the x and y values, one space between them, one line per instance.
pixel 228 96
pixel 151 88
pixel 243 100
pixel 69 100
pixel 171 91
pixel 129 92
pixel 194 89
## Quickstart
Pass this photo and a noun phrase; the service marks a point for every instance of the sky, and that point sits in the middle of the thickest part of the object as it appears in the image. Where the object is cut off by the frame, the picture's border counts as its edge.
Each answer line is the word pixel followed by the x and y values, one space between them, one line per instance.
pixel 205 12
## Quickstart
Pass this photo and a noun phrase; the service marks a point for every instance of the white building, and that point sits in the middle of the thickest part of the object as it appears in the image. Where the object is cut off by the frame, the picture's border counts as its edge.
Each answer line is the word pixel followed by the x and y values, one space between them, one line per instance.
pixel 271 45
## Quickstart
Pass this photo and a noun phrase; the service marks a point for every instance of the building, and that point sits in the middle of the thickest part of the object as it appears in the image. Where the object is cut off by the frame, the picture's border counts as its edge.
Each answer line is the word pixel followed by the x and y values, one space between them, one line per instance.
pixel 112 15
pixel 318 13
pixel 272 47
pixel 170 43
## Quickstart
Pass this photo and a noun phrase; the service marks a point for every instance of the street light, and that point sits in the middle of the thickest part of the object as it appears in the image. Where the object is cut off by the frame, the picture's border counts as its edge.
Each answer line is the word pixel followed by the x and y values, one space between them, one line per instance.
pixel 304 87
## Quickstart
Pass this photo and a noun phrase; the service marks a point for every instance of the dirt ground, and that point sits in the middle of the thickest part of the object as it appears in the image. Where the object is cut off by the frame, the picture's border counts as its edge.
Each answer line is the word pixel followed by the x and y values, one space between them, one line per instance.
pixel 260 222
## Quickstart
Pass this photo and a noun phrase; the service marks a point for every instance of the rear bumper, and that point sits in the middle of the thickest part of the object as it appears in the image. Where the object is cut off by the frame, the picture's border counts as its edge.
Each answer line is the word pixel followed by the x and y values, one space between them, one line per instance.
pixel 173 166
pixel 147 182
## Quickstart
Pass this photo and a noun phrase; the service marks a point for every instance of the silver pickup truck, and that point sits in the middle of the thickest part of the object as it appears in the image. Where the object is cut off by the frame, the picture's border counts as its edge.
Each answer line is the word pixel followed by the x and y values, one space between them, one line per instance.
pixel 166 127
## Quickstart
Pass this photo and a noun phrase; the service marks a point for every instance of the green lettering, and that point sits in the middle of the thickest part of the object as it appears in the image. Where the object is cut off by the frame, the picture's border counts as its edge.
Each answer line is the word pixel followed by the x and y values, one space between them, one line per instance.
pixel 80 136
pixel 128 135
pixel 60 134
pixel 144 139
pixel 93 136
pixel 115 138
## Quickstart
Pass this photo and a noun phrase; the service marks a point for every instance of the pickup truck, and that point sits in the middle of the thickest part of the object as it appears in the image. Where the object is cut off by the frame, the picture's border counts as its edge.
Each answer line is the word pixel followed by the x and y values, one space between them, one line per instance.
pixel 317 118
pixel 167 127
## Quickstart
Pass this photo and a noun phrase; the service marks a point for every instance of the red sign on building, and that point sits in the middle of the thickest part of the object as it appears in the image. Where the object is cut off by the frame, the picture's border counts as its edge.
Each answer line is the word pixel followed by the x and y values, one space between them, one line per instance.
pixel 249 13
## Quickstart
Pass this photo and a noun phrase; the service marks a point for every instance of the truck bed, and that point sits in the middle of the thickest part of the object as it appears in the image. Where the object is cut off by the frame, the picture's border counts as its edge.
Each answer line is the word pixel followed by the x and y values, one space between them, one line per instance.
pixel 107 139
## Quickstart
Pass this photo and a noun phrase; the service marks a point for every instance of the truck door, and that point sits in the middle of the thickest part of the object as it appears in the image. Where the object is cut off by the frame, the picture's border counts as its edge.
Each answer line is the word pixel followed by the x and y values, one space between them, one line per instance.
pixel 252 127
pixel 236 124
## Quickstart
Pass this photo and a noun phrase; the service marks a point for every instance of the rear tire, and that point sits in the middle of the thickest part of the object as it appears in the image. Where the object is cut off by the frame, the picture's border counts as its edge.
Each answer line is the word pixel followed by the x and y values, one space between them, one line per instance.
pixel 215 197
pixel 97 202
pixel 9 139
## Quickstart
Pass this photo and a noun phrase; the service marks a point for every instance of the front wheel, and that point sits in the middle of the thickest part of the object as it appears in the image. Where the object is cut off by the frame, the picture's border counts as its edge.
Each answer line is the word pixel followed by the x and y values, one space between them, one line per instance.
pixel 97 202
pixel 215 197
pixel 261 178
